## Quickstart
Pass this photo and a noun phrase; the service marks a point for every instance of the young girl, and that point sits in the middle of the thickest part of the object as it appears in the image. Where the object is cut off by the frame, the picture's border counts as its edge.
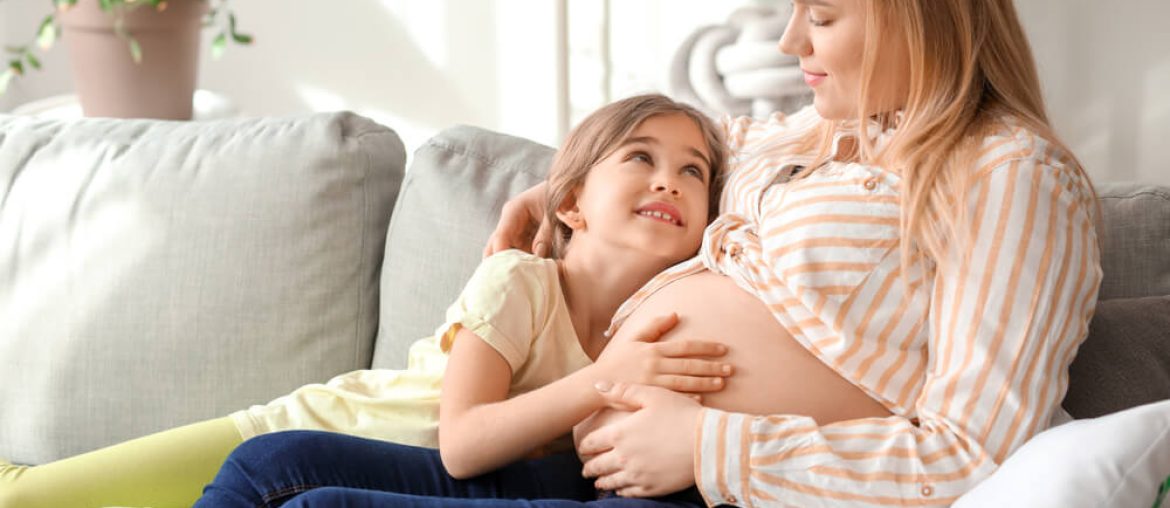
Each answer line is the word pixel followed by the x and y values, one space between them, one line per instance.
pixel 631 192
pixel 915 293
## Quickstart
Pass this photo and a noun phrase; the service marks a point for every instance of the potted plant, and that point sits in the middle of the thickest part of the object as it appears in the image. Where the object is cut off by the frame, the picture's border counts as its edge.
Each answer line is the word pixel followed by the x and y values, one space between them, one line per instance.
pixel 130 58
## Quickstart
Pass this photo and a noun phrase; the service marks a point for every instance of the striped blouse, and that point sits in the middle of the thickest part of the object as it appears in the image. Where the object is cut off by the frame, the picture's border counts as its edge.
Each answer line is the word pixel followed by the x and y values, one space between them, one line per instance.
pixel 971 360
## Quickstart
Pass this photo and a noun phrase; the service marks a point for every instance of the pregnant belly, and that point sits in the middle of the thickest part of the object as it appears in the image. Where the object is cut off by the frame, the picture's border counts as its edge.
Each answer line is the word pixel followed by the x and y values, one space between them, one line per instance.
pixel 773 374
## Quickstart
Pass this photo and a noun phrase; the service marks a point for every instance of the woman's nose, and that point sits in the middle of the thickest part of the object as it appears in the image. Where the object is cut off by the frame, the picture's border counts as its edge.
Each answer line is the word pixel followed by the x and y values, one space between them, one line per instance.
pixel 794 42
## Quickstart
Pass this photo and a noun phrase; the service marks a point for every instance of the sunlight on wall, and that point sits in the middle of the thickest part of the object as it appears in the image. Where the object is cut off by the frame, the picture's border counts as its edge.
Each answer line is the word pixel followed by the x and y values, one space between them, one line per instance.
pixel 427 26
pixel 320 99
pixel 526 69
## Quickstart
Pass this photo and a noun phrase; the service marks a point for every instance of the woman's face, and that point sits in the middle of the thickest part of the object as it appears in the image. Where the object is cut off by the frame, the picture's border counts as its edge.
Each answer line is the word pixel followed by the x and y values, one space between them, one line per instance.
pixel 829 38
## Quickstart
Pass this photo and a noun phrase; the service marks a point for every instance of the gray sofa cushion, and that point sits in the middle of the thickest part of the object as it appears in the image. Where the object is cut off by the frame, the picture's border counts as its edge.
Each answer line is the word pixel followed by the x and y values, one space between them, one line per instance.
pixel 1125 361
pixel 1135 240
pixel 450 201
pixel 158 273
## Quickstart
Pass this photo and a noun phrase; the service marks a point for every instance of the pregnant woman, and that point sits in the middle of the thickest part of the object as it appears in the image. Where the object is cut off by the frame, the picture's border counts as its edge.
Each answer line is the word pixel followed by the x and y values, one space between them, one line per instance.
pixel 902 272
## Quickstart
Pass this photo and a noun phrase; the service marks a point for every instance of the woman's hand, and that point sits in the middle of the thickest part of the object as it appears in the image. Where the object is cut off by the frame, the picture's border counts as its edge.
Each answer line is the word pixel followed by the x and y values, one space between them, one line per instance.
pixel 522 225
pixel 682 366
pixel 651 451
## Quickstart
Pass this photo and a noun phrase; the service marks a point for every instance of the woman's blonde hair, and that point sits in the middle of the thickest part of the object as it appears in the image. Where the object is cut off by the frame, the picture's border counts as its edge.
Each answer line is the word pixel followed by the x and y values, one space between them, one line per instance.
pixel 601 133
pixel 970 67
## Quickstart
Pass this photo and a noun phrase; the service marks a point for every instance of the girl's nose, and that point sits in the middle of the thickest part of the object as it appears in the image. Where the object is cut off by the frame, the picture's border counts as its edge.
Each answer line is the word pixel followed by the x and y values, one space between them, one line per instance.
pixel 666 186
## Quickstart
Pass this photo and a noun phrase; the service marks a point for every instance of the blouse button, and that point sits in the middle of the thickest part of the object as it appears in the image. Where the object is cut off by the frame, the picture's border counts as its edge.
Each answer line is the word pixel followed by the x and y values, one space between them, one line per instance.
pixel 870 184
pixel 732 500
pixel 927 490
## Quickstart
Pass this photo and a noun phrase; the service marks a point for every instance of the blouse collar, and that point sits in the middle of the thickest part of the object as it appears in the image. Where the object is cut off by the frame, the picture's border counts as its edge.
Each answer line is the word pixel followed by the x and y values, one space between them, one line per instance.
pixel 874 129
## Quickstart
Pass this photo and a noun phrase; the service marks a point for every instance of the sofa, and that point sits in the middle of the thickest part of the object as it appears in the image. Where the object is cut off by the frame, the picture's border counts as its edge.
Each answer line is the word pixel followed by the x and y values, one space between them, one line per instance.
pixel 157 273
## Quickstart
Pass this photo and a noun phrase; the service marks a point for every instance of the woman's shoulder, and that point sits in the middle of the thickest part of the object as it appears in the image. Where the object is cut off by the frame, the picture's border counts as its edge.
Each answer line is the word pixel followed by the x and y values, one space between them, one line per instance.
pixel 1008 141
pixel 1014 150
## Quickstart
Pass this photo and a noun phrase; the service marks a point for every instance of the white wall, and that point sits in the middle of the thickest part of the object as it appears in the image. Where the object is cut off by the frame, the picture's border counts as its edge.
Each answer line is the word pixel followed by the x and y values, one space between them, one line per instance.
pixel 422 65
pixel 1105 67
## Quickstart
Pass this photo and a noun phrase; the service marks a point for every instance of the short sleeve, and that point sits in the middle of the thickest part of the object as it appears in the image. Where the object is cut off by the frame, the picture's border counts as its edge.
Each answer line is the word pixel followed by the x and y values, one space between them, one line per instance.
pixel 506 303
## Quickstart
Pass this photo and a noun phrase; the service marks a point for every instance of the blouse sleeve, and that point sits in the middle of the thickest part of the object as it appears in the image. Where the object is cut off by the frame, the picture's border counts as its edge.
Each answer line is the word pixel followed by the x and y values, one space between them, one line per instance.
pixel 1004 325
pixel 504 303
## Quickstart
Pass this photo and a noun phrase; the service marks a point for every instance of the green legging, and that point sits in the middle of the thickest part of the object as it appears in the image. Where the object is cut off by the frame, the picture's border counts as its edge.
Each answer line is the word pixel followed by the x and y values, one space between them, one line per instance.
pixel 161 470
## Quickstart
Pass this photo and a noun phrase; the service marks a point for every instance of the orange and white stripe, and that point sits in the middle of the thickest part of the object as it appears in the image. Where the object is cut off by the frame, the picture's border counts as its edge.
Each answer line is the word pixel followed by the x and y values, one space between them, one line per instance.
pixel 970 357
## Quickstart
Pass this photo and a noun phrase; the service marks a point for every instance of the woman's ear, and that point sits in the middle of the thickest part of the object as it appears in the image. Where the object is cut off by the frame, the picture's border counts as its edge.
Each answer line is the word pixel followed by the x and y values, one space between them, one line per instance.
pixel 569 213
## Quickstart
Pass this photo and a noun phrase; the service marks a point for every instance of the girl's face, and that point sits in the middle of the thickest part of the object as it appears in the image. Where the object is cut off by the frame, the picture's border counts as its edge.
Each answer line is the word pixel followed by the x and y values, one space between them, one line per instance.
pixel 649 196
pixel 829 38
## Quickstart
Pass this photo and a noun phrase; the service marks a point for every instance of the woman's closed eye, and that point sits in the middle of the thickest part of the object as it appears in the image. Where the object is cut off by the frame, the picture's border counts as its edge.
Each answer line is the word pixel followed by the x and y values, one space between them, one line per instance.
pixel 694 171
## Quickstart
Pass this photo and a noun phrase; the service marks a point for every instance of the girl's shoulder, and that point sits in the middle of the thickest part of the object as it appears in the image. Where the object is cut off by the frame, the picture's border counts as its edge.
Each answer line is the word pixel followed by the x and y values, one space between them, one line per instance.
pixel 515 263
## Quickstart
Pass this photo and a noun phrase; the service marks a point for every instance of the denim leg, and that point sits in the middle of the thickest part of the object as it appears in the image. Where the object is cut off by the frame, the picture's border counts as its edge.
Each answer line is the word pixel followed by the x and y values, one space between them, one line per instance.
pixel 338 497
pixel 270 469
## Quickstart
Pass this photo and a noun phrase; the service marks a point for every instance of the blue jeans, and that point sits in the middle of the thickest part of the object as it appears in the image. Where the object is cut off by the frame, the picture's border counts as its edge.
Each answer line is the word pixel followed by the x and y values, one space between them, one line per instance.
pixel 309 468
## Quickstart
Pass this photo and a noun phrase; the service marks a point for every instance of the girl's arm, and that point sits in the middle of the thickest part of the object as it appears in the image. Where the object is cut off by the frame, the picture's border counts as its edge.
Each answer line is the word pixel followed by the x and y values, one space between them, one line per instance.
pixel 480 429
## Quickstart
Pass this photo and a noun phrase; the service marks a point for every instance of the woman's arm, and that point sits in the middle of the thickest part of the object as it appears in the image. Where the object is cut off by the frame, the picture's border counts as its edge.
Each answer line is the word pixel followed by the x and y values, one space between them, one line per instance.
pixel 522 225
pixel 480 429
pixel 1003 328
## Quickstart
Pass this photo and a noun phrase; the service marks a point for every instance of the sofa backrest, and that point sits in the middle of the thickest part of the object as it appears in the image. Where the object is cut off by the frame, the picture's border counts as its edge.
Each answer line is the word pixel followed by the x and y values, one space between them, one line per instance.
pixel 1135 240
pixel 157 273
pixel 451 199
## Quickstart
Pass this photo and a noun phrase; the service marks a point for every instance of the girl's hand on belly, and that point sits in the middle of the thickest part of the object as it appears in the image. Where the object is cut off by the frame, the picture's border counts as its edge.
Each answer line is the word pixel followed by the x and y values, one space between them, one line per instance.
pixel 680 365
pixel 649 452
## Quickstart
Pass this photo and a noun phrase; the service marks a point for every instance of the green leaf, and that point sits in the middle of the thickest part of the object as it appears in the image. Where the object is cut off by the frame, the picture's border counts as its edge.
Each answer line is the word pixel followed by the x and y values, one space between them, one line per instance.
pixel 105 4
pixel 47 33
pixel 5 78
pixel 16 67
pixel 33 61
pixel 240 38
pixel 244 39
pixel 218 45
pixel 64 4
pixel 135 51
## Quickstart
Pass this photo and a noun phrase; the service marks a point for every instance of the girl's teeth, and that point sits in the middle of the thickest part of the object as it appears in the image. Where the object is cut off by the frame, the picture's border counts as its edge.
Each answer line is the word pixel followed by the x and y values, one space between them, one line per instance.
pixel 657 214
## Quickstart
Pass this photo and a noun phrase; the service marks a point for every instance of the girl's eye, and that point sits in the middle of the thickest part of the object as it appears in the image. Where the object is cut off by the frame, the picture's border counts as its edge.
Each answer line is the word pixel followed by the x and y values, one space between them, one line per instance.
pixel 694 171
pixel 814 21
pixel 640 157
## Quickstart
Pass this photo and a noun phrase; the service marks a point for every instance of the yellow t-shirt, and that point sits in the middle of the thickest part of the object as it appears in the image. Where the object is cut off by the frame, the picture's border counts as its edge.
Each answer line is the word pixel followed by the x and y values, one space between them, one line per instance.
pixel 513 302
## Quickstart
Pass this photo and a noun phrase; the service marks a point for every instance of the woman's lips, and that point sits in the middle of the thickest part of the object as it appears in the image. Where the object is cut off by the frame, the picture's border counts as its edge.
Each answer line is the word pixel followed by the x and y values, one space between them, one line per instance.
pixel 813 78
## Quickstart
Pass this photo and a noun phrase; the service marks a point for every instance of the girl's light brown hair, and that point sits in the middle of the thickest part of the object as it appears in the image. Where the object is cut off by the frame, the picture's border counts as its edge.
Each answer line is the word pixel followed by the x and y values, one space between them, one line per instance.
pixel 970 68
pixel 602 132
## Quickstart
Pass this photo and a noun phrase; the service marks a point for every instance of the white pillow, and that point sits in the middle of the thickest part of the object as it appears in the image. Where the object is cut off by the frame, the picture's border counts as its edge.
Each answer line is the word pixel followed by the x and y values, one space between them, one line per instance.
pixel 1117 460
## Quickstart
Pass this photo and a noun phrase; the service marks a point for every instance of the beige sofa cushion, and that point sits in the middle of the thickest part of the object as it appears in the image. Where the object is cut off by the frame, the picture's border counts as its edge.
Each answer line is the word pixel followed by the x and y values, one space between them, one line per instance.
pixel 158 273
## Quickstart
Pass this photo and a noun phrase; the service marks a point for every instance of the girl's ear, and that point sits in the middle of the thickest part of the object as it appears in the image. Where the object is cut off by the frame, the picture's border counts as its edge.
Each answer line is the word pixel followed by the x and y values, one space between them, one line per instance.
pixel 569 213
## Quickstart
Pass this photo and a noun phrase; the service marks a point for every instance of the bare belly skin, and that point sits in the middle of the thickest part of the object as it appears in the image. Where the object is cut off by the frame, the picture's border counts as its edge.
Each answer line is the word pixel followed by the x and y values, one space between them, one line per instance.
pixel 773 374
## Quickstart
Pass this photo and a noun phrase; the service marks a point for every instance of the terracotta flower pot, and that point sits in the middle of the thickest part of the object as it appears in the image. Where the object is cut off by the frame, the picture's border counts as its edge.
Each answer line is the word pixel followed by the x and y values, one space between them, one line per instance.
pixel 108 81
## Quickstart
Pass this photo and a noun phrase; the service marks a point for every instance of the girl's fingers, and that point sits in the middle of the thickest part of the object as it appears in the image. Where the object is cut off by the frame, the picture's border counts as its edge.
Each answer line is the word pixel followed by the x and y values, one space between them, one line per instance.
pixel 694 367
pixel 690 384
pixel 685 348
